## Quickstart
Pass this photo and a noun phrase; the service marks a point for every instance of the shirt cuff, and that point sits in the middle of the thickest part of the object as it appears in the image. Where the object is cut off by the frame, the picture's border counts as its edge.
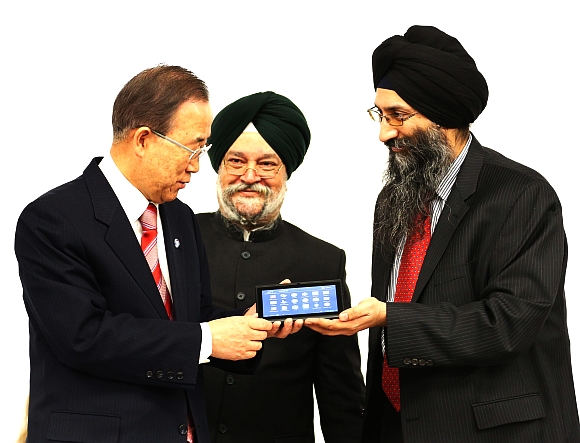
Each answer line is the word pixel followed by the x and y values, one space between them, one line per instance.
pixel 205 350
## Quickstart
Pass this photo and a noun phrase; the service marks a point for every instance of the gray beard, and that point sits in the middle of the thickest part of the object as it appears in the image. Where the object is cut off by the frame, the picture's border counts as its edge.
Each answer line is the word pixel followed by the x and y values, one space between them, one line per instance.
pixel 253 212
pixel 410 184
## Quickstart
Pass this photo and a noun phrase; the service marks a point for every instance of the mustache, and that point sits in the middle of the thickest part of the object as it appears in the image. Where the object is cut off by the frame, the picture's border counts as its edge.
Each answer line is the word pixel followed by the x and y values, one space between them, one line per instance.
pixel 254 187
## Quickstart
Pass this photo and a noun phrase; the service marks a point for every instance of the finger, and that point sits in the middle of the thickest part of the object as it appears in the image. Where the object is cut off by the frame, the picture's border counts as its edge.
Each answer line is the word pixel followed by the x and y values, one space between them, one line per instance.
pixel 321 322
pixel 297 325
pixel 275 328
pixel 320 330
pixel 259 324
pixel 350 314
pixel 251 311
pixel 286 328
pixel 259 335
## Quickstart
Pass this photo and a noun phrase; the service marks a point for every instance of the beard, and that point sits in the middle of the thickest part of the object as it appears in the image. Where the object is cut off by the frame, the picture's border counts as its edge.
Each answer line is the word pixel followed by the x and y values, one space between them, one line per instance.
pixel 410 184
pixel 250 213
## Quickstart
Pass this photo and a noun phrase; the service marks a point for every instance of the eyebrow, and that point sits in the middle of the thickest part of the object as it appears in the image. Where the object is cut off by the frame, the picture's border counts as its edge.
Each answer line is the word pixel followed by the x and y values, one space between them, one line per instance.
pixel 262 157
pixel 397 108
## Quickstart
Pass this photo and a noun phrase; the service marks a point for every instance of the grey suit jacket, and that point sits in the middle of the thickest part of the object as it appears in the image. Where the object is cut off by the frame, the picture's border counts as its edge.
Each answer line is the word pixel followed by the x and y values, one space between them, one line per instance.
pixel 483 347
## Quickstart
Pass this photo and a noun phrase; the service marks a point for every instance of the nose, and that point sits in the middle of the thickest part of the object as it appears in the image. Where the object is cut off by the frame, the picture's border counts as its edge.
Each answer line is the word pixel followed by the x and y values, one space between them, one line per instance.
pixel 387 132
pixel 250 176
pixel 193 165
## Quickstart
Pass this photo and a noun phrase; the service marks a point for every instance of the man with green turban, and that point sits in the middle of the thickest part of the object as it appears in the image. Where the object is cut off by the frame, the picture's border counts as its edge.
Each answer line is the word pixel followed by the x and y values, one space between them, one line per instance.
pixel 257 142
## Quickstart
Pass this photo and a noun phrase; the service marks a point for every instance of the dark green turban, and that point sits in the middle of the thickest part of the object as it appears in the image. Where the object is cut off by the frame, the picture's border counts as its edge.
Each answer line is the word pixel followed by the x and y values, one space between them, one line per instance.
pixel 433 73
pixel 274 116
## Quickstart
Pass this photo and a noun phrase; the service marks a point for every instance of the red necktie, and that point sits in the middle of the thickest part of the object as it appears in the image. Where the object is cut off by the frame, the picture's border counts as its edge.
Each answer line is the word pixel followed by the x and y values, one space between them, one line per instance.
pixel 411 262
pixel 149 246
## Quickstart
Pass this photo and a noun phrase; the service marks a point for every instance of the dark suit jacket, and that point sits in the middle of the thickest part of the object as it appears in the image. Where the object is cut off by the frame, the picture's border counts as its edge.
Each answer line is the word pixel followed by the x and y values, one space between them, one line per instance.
pixel 106 364
pixel 276 403
pixel 483 347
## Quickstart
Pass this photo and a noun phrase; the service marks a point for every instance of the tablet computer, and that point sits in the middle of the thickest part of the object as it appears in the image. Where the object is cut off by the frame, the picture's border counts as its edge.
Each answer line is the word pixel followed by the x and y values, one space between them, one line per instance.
pixel 322 298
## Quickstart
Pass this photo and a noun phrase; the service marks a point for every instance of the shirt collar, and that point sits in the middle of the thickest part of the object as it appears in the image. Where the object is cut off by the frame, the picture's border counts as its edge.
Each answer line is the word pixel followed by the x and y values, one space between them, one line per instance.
pixel 132 201
pixel 444 188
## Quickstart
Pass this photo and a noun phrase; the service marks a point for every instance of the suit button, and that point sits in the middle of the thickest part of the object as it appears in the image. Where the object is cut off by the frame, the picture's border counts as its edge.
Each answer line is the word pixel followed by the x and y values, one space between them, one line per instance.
pixel 407 361
pixel 149 374
pixel 223 429
pixel 180 375
pixel 170 375
pixel 230 380
pixel 421 362
pixel 415 362
pixel 246 255
pixel 183 429
pixel 429 362
pixel 240 296
pixel 159 374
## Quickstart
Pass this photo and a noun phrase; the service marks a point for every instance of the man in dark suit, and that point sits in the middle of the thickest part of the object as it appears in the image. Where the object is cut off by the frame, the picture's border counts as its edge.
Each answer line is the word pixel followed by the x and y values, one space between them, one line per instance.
pixel 469 341
pixel 258 142
pixel 117 332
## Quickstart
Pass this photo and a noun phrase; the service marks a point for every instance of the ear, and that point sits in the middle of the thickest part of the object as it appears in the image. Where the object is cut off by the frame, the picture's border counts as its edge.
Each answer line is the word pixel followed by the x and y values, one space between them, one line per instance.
pixel 141 140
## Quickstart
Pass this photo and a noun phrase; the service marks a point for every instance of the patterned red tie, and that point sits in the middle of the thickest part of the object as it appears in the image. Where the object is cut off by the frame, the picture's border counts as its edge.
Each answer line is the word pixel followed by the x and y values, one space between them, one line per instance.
pixel 149 246
pixel 411 262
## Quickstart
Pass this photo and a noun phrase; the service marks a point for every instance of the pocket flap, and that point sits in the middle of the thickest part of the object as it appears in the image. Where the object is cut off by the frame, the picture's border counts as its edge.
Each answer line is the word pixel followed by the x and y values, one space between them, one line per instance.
pixel 508 410
pixel 78 427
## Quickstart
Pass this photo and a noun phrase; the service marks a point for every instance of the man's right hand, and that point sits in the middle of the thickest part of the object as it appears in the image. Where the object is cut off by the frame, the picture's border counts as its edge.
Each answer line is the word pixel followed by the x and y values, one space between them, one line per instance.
pixel 368 313
pixel 238 337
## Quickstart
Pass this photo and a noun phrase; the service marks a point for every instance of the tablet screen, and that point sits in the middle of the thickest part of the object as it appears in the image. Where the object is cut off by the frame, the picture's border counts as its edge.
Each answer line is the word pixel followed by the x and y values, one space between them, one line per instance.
pixel 299 300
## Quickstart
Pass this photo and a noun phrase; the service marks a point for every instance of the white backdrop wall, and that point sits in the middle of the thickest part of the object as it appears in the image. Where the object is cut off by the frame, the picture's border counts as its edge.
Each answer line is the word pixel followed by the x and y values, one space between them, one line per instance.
pixel 63 63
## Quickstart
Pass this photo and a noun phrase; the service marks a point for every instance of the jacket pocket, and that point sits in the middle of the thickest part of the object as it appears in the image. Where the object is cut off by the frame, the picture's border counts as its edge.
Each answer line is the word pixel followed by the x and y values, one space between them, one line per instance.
pixel 83 428
pixel 509 410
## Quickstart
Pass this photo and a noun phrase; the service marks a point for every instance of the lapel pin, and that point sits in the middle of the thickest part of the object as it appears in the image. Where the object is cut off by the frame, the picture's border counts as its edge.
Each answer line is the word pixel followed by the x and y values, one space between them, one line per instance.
pixel 176 243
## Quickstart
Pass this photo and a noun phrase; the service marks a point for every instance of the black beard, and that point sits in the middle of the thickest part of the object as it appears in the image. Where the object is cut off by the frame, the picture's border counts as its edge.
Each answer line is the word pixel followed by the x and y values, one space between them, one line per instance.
pixel 411 181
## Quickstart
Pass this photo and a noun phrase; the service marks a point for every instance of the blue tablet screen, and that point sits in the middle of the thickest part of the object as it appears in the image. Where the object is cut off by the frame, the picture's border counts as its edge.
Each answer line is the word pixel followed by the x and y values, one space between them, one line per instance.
pixel 308 300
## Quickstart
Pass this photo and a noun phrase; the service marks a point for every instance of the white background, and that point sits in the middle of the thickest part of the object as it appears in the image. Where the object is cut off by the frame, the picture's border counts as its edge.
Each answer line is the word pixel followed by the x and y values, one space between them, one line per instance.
pixel 63 63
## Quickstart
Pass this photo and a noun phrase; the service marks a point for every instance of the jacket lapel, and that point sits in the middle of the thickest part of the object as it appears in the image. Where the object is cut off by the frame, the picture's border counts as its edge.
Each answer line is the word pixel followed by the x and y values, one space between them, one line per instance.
pixel 174 253
pixel 452 214
pixel 120 235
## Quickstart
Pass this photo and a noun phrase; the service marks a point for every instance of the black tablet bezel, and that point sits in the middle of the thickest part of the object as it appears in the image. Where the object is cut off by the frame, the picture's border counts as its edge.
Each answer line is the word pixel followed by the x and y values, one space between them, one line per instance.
pixel 337 283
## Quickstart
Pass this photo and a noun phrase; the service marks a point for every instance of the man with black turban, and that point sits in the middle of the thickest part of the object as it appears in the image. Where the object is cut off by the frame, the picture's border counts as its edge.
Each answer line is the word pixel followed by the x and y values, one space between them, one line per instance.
pixel 257 142
pixel 468 338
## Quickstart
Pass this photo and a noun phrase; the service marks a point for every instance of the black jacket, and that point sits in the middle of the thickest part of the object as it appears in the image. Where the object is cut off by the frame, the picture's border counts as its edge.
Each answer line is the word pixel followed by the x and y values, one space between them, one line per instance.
pixel 276 403
pixel 483 347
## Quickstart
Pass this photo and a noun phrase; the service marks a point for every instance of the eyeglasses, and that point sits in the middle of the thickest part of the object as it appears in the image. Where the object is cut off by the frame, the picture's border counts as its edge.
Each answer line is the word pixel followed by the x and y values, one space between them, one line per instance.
pixel 265 169
pixel 193 154
pixel 395 119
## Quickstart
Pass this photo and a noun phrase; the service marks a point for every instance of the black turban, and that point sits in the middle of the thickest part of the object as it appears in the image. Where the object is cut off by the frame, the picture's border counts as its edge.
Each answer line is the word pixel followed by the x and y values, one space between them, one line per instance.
pixel 433 73
pixel 275 117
